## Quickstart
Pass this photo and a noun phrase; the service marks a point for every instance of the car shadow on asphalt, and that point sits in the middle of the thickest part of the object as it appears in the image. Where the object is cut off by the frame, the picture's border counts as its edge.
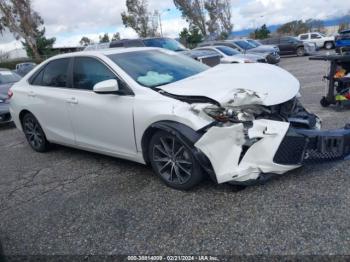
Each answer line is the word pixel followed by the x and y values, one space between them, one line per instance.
pixel 2 255
pixel 207 183
pixel 7 126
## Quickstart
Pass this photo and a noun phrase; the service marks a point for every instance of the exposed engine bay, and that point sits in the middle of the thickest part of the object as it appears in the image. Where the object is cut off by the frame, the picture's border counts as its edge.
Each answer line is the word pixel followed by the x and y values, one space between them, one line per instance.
pixel 292 112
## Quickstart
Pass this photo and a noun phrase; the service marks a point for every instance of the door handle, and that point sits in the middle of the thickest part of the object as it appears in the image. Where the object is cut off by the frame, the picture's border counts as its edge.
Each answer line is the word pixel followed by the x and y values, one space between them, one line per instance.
pixel 72 100
pixel 31 94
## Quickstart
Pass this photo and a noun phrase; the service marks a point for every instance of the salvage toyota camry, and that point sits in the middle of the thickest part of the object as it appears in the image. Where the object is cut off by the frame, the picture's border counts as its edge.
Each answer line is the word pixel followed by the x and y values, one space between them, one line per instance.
pixel 236 123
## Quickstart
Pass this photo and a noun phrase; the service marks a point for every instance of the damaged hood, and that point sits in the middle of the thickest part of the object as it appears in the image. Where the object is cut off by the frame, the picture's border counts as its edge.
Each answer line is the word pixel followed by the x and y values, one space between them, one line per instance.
pixel 239 84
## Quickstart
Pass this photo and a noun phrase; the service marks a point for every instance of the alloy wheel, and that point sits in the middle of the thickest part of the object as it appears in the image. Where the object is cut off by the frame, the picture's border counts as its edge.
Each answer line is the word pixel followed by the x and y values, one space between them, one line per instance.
pixel 300 51
pixel 173 160
pixel 33 132
pixel 329 46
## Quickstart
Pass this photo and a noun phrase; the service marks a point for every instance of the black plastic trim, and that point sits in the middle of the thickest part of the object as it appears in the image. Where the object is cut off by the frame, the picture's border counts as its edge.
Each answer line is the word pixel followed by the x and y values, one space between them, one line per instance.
pixel 302 146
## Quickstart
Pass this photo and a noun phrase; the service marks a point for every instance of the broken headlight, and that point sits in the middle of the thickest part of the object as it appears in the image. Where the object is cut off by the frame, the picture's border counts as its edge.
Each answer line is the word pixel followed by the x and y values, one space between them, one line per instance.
pixel 237 114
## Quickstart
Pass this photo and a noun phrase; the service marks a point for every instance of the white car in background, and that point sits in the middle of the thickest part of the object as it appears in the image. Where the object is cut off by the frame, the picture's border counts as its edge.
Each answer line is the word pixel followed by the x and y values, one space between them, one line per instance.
pixel 236 123
pixel 229 55
pixel 321 40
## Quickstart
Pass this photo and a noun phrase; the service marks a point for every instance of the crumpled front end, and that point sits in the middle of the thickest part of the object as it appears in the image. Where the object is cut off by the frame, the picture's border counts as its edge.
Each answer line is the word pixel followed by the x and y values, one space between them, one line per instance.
pixel 238 153
pixel 247 142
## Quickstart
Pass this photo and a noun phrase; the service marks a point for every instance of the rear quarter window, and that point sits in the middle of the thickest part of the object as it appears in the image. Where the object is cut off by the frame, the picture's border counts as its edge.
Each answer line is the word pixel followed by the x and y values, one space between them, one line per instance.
pixel 54 74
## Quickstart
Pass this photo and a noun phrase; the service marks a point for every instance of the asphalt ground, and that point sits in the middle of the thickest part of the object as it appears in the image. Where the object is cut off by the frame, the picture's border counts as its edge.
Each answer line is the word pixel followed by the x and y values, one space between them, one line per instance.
pixel 70 202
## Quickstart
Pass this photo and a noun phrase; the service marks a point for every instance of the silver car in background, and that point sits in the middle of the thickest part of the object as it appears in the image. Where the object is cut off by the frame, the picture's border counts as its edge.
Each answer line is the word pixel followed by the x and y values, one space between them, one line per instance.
pixel 229 55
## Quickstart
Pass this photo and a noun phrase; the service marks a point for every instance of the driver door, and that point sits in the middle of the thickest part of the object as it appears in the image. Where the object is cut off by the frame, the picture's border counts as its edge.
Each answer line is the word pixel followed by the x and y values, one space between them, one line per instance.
pixel 102 122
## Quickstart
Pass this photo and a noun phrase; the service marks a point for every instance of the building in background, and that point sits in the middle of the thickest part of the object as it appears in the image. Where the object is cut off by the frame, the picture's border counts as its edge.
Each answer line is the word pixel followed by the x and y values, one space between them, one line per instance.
pixel 13 55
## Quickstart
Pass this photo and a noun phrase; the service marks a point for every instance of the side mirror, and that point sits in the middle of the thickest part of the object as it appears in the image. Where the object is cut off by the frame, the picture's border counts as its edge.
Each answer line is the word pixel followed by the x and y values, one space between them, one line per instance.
pixel 107 87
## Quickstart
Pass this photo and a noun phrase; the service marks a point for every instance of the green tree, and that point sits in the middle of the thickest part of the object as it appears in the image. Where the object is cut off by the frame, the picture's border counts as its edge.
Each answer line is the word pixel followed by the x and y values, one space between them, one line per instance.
pixel 211 17
pixel 115 37
pixel 104 38
pixel 223 36
pixel 138 18
pixel 261 33
pixel 43 45
pixel 296 27
pixel 194 13
pixel 18 17
pixel 191 38
pixel 85 41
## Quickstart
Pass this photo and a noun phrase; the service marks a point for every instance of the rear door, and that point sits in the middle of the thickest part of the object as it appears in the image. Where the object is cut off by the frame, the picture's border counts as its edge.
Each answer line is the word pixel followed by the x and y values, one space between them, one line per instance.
pixel 48 95
pixel 286 46
pixel 102 122
pixel 317 38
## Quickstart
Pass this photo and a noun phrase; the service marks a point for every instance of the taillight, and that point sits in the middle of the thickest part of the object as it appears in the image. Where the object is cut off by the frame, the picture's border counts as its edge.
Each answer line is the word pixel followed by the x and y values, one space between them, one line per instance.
pixel 9 93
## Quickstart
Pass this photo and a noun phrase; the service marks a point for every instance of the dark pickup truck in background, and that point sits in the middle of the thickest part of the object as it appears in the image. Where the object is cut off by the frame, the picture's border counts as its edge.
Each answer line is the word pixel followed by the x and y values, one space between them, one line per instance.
pixel 289 45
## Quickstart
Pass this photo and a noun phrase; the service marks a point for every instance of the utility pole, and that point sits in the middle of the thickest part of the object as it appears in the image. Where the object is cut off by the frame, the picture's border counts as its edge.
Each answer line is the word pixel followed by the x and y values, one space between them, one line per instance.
pixel 160 20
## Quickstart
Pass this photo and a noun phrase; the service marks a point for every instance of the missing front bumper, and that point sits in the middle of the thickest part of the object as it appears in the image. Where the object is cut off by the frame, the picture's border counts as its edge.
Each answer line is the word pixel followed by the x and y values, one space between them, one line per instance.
pixel 302 147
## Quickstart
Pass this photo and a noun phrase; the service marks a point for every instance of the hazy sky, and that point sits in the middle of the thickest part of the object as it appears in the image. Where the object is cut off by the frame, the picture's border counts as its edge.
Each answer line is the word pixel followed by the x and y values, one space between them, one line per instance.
pixel 69 20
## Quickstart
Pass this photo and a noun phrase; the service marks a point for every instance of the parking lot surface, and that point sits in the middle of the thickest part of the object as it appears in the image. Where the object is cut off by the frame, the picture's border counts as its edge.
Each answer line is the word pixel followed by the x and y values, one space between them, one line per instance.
pixel 73 202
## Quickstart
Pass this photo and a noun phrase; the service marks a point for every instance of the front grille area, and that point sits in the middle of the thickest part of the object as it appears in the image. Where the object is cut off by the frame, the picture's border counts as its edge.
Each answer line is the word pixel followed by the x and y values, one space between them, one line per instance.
pixel 291 151
pixel 313 147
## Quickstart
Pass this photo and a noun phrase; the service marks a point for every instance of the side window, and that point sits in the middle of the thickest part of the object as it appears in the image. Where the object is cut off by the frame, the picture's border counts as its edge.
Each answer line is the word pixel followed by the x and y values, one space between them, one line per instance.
pixel 54 74
pixel 304 37
pixel 88 72
pixel 37 81
pixel 315 36
pixel 285 40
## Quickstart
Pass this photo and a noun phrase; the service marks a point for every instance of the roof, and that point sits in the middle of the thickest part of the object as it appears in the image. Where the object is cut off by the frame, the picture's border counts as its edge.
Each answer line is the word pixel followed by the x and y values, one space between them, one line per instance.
pixel 345 31
pixel 109 51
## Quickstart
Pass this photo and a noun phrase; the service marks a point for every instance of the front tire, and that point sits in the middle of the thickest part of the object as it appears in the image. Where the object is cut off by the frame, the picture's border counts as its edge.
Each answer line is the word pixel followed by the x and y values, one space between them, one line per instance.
pixel 173 162
pixel 329 45
pixel 300 51
pixel 34 133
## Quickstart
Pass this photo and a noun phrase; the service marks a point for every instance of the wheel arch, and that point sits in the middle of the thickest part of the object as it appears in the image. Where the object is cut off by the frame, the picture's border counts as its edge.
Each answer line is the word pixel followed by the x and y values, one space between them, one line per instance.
pixel 175 128
pixel 22 114
pixel 184 133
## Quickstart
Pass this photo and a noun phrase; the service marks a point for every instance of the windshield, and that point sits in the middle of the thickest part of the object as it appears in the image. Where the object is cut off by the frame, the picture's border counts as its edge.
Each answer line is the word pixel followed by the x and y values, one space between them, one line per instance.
pixel 254 43
pixel 166 43
pixel 156 68
pixel 228 50
pixel 244 45
pixel 7 77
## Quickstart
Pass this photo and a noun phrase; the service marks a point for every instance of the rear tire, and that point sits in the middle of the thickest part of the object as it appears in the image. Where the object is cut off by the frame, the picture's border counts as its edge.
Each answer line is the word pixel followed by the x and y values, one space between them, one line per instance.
pixel 173 161
pixel 300 51
pixel 34 133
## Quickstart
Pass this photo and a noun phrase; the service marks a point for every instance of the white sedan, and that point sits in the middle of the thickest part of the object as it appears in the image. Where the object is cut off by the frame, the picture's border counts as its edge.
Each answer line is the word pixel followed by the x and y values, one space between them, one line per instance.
pixel 236 123
pixel 231 56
